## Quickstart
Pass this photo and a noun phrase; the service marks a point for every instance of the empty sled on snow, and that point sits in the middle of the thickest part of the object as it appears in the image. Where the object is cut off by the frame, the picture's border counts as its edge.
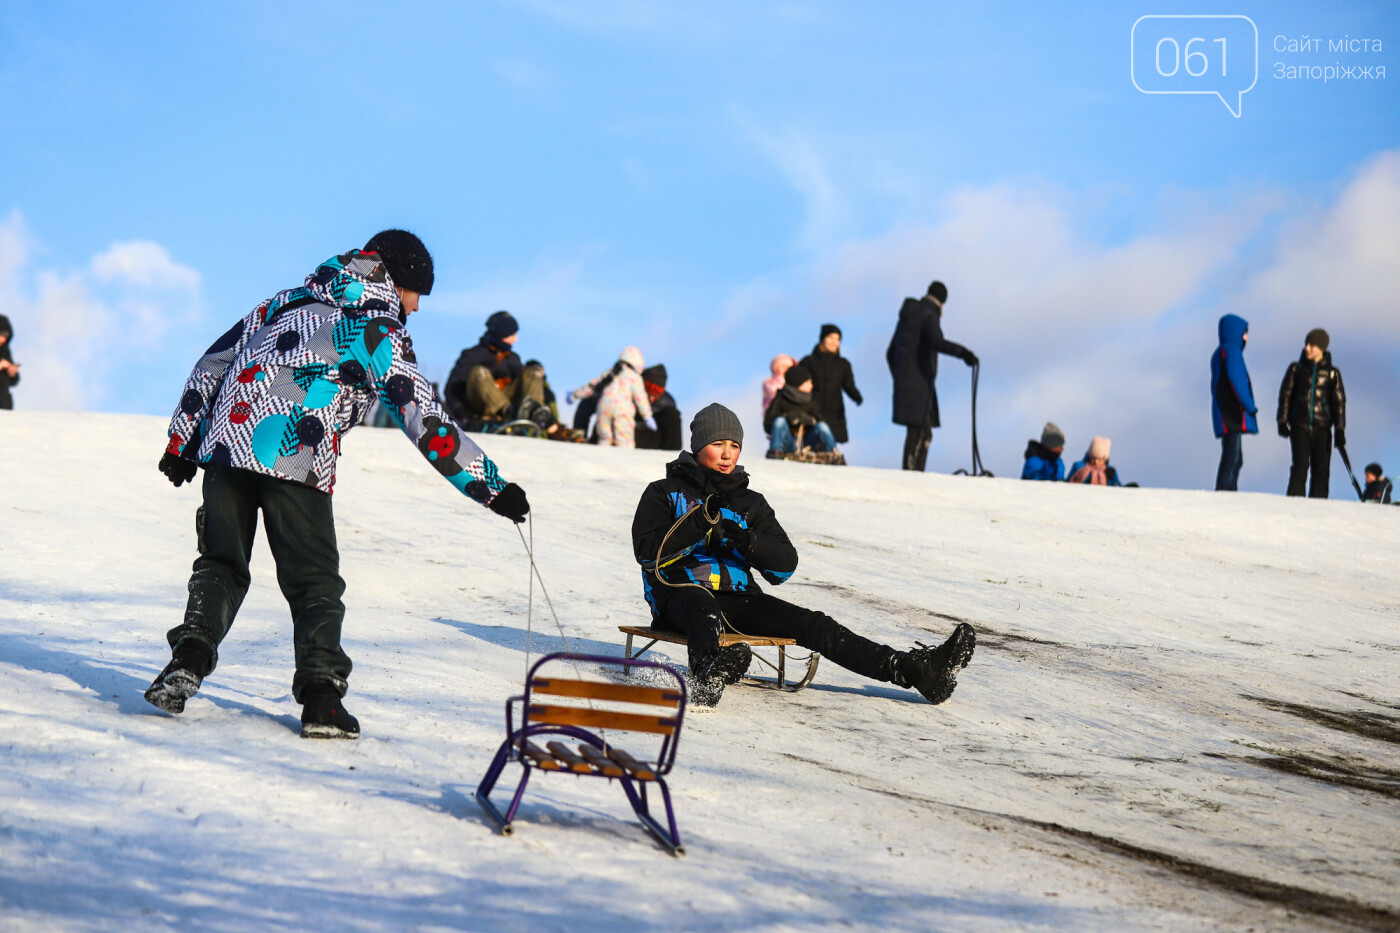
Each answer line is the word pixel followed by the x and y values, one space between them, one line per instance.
pixel 730 638
pixel 555 708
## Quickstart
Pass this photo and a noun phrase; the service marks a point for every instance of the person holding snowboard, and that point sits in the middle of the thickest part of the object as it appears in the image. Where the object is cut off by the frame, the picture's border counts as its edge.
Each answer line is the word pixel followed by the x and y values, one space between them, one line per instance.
pixel 1232 400
pixel 913 360
pixel 1312 409
pixel 702 537
pixel 263 413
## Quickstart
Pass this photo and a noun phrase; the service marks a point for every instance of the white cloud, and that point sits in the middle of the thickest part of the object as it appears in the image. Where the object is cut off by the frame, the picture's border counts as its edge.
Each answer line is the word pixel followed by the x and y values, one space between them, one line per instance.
pixel 143 264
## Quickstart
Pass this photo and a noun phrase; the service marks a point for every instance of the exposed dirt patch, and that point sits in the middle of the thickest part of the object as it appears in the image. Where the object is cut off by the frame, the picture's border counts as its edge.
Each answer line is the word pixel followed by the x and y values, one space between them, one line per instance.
pixel 1380 726
pixel 1350 772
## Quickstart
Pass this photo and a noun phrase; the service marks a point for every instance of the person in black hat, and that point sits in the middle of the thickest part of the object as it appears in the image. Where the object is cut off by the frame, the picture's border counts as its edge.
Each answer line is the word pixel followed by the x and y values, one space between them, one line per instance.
pixel 1378 488
pixel 9 369
pixel 263 414
pixel 1312 410
pixel 489 383
pixel 831 378
pixel 703 537
pixel 794 409
pixel 664 413
pixel 913 361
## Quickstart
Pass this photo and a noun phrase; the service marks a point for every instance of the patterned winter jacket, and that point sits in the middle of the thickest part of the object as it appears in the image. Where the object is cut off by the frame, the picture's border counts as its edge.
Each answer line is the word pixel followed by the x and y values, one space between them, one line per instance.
pixel 691 556
pixel 625 394
pixel 276 394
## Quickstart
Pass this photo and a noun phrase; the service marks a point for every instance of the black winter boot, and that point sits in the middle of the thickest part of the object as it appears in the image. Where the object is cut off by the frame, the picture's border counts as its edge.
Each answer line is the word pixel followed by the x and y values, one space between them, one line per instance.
pixel 181 678
pixel 323 715
pixel 934 671
pixel 709 677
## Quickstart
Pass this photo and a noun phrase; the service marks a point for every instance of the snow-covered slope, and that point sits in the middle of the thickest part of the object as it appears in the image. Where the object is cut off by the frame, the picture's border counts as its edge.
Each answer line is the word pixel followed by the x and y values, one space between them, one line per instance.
pixel 1183 712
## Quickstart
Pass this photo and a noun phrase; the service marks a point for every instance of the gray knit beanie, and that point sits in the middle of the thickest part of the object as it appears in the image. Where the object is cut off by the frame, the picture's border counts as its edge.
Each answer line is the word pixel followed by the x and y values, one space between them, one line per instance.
pixel 1052 436
pixel 713 423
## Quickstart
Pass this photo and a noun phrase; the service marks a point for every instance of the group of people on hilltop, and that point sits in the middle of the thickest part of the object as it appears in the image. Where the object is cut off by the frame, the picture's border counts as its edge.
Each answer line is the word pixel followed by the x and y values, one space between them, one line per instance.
pixel 804 401
pixel 1043 460
pixel 263 414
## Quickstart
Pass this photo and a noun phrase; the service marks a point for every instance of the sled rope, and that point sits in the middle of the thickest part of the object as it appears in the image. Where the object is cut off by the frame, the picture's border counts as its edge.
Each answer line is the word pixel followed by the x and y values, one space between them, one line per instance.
pixel 529 603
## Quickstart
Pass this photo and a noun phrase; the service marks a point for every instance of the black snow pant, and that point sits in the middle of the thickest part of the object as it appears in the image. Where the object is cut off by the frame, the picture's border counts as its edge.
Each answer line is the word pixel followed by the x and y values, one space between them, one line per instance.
pixel 916 442
pixel 1312 449
pixel 300 532
pixel 695 613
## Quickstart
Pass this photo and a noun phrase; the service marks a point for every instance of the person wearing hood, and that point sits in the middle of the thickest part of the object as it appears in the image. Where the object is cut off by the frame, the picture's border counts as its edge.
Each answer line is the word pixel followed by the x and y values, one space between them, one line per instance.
pixel 263 414
pixel 1043 461
pixel 1378 488
pixel 795 409
pixel 489 383
pixel 913 360
pixel 9 369
pixel 703 536
pixel 775 382
pixel 622 400
pixel 1232 400
pixel 1312 409
pixel 664 412
pixel 1094 469
pixel 831 377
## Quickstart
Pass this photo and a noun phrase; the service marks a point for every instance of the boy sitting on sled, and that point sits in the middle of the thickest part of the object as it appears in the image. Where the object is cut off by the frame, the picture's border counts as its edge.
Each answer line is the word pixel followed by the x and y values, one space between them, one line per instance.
pixel 712 534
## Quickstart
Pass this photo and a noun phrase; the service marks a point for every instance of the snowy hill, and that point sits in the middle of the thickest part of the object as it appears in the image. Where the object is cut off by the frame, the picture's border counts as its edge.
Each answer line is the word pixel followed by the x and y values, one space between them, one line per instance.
pixel 1184 710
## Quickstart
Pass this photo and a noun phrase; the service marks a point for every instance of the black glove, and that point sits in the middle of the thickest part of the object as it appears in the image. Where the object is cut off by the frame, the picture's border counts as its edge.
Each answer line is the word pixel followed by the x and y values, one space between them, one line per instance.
pixel 730 532
pixel 177 469
pixel 970 358
pixel 1283 429
pixel 511 503
pixel 1340 436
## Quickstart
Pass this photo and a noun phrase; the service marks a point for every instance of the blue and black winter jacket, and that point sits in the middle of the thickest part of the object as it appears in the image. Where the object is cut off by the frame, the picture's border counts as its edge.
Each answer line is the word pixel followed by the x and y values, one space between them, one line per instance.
pixel 1042 463
pixel 1232 397
pixel 691 554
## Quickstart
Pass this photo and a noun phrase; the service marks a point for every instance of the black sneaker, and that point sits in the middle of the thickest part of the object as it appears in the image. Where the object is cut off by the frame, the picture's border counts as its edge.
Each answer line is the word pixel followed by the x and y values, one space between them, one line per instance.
pixel 711 676
pixel 934 671
pixel 181 678
pixel 323 715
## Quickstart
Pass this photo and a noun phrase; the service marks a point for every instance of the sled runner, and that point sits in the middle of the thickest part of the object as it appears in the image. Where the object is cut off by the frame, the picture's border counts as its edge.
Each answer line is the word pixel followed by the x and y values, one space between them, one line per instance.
pixel 562 707
pixel 520 427
pixel 729 638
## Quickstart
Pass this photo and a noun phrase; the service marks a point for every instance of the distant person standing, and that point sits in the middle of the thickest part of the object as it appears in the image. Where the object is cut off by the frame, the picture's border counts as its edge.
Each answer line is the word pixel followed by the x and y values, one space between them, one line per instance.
pixel 831 376
pixel 913 359
pixel 1232 400
pixel 9 369
pixel 1312 409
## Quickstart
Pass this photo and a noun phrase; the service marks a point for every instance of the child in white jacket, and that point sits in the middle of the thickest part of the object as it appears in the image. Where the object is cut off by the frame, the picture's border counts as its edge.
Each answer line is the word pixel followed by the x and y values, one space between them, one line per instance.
pixel 622 401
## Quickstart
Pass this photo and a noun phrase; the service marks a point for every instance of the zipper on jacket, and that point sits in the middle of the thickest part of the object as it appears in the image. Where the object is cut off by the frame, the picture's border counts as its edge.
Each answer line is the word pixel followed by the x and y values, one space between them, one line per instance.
pixel 1312 397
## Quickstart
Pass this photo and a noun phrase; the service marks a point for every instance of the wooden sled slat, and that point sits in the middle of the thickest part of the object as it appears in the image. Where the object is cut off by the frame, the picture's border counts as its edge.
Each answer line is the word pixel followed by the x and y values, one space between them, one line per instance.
pixel 598 690
pixel 725 638
pixel 600 761
pixel 565 754
pixel 637 769
pixel 540 757
pixel 600 719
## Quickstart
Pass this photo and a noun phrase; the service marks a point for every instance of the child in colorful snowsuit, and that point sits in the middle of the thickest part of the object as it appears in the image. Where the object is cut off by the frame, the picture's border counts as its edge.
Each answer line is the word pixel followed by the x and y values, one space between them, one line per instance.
pixel 263 414
pixel 703 536
pixel 622 402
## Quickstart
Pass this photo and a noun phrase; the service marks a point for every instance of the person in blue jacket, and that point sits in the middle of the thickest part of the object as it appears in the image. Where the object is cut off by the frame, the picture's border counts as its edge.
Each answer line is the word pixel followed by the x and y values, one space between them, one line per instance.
pixel 1043 459
pixel 1232 400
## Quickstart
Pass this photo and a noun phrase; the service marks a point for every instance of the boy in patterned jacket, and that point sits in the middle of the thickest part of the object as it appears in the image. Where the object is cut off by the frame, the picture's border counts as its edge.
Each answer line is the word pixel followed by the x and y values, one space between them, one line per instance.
pixel 263 413
pixel 702 536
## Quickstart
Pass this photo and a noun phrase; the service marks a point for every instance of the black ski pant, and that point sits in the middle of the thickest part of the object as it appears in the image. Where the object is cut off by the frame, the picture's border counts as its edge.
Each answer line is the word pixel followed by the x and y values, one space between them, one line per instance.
pixel 300 532
pixel 916 442
pixel 1312 449
pixel 695 613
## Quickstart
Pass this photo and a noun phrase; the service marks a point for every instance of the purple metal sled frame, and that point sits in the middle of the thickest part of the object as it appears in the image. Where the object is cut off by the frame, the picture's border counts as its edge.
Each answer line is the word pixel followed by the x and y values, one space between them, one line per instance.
pixel 541 720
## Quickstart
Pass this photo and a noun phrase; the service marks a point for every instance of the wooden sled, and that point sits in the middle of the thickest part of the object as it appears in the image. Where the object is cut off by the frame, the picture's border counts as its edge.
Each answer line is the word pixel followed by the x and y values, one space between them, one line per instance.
pixel 729 638
pixel 805 454
pixel 554 708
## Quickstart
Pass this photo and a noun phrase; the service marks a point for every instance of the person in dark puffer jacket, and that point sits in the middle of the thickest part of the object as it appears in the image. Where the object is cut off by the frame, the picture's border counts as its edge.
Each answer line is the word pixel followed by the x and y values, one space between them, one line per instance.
pixel 702 536
pixel 664 412
pixel 1312 409
pixel 1378 488
pixel 794 408
pixel 263 413
pixel 489 383
pixel 831 377
pixel 9 369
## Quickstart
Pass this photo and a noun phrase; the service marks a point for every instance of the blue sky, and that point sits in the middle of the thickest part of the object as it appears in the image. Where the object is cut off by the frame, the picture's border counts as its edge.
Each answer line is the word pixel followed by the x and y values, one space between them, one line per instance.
pixel 711 182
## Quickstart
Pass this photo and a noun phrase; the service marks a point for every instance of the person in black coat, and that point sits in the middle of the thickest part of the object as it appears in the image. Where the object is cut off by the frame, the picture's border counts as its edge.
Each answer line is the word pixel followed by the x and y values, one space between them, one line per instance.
pixel 913 359
pixel 1378 488
pixel 664 413
pixel 9 369
pixel 831 376
pixel 488 381
pixel 703 537
pixel 1312 408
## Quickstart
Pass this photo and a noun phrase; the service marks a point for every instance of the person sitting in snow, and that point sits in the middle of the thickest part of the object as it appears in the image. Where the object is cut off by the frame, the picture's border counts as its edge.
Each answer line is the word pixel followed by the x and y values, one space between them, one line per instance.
pixel 664 413
pixel 794 408
pixel 776 380
pixel 1094 470
pixel 622 400
pixel 1377 486
pixel 263 413
pixel 9 369
pixel 489 383
pixel 703 536
pixel 1043 461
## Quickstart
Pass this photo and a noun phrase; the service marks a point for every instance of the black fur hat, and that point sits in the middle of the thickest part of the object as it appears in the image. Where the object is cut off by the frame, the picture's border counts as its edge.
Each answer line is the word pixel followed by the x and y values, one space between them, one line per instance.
pixel 938 291
pixel 406 258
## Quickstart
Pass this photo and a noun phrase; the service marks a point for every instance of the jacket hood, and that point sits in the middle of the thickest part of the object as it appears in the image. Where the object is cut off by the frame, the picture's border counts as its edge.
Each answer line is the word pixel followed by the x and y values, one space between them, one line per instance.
pixel 687 469
pixel 354 282
pixel 781 363
pixel 1232 330
pixel 1035 448
pixel 633 357
pixel 913 306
